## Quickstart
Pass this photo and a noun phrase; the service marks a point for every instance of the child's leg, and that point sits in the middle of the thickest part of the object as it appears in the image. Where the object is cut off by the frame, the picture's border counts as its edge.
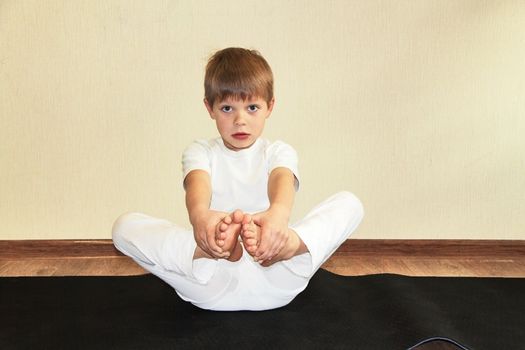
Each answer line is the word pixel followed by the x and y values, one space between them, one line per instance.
pixel 168 252
pixel 323 230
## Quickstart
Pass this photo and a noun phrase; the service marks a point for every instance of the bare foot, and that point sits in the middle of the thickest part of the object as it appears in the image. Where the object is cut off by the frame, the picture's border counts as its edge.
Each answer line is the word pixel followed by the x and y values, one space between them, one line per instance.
pixel 250 234
pixel 227 235
pixel 294 246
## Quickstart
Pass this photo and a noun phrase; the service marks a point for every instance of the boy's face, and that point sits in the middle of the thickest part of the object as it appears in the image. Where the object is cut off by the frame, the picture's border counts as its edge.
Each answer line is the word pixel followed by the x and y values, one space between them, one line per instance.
pixel 240 122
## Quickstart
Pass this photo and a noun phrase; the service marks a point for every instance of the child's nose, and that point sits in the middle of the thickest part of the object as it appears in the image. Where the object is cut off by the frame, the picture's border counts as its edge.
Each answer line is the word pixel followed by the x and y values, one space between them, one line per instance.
pixel 239 119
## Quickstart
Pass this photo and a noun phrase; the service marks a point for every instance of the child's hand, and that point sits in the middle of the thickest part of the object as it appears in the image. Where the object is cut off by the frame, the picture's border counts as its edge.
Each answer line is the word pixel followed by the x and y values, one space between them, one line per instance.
pixel 274 233
pixel 204 228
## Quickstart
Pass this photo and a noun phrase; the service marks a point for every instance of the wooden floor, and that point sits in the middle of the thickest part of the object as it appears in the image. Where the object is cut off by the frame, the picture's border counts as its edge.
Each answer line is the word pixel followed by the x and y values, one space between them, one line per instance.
pixel 355 257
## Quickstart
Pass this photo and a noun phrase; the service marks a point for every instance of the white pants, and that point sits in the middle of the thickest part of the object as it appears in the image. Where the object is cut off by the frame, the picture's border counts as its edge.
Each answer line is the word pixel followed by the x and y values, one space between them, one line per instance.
pixel 166 250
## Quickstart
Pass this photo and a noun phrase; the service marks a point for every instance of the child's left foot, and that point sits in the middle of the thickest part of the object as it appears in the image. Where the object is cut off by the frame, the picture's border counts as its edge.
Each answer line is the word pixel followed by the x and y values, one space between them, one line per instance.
pixel 250 234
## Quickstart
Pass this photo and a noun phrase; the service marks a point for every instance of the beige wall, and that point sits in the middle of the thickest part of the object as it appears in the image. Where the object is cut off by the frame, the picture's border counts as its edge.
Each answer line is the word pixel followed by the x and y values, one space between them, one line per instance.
pixel 416 106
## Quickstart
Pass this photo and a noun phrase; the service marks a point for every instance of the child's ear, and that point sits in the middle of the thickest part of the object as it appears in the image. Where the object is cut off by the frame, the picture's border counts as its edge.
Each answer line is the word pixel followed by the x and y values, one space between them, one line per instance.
pixel 209 108
pixel 270 106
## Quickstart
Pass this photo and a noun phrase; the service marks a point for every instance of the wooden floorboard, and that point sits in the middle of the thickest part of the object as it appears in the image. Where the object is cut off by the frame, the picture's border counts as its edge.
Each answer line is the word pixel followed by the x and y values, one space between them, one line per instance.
pixel 486 258
pixel 42 249
pixel 433 248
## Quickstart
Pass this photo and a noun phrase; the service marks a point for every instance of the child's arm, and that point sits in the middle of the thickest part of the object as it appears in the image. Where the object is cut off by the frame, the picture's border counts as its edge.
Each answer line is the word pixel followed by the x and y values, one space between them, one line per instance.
pixel 204 221
pixel 274 221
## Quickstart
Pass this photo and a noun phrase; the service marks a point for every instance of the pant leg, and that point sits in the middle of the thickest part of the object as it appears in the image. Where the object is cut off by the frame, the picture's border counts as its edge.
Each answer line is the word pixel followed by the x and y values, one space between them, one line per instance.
pixel 324 229
pixel 166 250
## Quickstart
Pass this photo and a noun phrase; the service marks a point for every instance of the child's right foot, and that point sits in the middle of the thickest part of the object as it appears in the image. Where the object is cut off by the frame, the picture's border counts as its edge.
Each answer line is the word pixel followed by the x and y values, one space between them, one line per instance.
pixel 227 235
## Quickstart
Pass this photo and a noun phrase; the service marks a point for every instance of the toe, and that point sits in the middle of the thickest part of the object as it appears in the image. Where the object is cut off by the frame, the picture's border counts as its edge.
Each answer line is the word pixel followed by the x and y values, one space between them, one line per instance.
pixel 223 227
pixel 238 216
pixel 247 219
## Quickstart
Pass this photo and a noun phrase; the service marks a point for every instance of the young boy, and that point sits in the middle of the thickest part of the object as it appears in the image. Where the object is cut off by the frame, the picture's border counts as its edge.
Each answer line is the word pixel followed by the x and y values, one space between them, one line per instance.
pixel 241 253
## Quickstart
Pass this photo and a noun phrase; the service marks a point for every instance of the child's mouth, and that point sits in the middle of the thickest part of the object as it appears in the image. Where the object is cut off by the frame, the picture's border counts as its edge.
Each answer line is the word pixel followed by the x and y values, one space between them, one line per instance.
pixel 240 136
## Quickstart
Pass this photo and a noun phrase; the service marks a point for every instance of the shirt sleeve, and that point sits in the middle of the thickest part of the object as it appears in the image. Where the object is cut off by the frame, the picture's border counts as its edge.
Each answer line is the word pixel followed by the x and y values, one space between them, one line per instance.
pixel 283 155
pixel 197 156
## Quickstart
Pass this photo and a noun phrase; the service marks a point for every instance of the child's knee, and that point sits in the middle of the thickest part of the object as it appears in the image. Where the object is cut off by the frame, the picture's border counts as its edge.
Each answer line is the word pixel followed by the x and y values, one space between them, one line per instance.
pixel 121 226
pixel 122 234
pixel 351 203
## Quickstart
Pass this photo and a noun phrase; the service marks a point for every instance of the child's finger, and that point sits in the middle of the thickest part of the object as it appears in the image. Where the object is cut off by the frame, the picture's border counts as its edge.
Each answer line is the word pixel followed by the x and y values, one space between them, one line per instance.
pixel 264 255
pixel 213 247
pixel 265 241
pixel 257 220
pixel 203 245
pixel 272 251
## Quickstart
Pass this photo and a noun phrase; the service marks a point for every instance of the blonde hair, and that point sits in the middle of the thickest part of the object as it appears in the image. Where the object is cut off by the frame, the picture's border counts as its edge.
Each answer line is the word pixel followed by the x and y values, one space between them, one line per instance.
pixel 238 73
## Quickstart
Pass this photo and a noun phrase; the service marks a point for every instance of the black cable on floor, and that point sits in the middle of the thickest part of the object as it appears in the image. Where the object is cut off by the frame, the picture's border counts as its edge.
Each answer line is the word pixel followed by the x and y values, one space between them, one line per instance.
pixel 428 340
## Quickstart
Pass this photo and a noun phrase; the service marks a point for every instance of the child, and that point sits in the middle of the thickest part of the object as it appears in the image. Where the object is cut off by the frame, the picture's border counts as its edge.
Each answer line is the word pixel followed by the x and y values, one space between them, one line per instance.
pixel 241 253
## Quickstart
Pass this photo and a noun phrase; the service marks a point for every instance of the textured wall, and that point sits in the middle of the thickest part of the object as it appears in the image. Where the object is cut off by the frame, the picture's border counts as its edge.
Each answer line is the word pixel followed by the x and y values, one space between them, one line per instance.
pixel 416 106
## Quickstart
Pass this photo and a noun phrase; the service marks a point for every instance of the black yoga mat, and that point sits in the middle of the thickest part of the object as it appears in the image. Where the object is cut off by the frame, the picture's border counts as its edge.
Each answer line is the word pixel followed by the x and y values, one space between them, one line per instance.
pixel 334 312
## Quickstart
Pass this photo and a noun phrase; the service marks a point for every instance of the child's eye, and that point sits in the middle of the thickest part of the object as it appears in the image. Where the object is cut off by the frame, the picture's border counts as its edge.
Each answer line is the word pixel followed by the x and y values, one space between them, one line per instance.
pixel 226 109
pixel 253 108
